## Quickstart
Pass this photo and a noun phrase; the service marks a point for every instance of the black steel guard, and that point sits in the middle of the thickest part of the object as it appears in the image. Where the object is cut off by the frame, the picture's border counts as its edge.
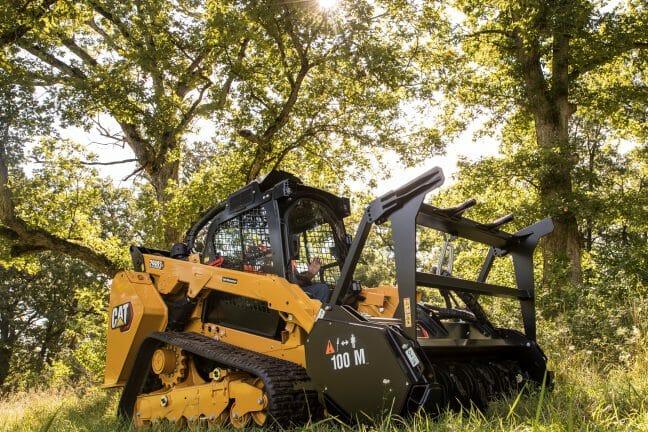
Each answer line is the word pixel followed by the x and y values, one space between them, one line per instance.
pixel 378 211
pixel 405 209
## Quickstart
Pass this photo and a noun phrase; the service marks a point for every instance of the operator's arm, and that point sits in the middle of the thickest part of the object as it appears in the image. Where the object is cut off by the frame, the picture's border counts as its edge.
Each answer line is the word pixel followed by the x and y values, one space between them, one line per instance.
pixel 313 268
pixel 306 277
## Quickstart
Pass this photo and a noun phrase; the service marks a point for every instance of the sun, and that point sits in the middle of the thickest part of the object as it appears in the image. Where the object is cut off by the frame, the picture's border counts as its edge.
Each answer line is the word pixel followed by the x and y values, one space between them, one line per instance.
pixel 327 4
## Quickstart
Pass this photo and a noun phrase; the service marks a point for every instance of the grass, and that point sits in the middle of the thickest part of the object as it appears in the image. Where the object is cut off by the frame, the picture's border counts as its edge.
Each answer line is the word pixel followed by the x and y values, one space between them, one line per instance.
pixel 63 409
pixel 586 397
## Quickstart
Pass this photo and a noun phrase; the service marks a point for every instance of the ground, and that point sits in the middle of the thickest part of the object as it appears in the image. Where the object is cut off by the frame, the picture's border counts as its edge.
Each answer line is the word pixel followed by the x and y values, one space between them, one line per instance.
pixel 586 397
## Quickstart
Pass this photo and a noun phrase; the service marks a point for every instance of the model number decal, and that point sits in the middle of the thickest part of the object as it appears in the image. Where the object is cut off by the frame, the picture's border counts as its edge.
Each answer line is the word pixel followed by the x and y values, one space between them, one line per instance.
pixel 121 317
pixel 156 264
pixel 229 280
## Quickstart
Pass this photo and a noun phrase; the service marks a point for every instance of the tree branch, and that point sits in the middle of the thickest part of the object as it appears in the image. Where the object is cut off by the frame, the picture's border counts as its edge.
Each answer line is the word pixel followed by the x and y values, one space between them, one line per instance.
pixel 135 172
pixel 123 29
pixel 192 72
pixel 284 115
pixel 8 233
pixel 227 85
pixel 12 35
pixel 42 54
pixel 24 249
pixel 79 52
pixel 276 35
pixel 109 163
pixel 32 239
pixel 303 54
pixel 191 112
pixel 605 54
pixel 508 34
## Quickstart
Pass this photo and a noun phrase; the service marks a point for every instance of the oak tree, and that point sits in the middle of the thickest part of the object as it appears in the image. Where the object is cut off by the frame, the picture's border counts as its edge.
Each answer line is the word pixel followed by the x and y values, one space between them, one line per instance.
pixel 545 60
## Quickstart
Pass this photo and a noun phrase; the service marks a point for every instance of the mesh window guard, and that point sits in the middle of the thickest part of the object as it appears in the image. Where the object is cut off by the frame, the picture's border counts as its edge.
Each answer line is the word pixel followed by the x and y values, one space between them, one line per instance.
pixel 312 236
pixel 244 242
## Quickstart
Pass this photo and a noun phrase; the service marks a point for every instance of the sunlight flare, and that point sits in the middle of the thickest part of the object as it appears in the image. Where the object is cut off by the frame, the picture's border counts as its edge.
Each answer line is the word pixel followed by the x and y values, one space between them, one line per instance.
pixel 327 4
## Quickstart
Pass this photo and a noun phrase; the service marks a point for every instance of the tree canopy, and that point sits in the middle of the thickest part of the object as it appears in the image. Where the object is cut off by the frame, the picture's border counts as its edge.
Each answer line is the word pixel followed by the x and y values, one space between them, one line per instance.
pixel 539 66
pixel 282 85
pixel 204 96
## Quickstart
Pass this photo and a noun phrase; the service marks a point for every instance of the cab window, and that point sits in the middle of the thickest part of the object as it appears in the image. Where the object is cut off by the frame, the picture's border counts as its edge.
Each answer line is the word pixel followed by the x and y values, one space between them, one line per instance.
pixel 244 242
pixel 312 233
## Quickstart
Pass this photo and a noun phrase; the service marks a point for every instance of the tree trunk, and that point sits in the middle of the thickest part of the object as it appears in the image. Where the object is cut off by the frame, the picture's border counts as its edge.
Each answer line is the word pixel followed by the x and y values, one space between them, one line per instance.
pixel 548 100
pixel 160 178
pixel 7 340
pixel 561 249
pixel 5 358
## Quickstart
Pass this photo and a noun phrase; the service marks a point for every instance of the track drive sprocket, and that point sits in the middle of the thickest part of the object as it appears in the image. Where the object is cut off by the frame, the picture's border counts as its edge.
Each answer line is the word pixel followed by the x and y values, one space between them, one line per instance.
pixel 175 369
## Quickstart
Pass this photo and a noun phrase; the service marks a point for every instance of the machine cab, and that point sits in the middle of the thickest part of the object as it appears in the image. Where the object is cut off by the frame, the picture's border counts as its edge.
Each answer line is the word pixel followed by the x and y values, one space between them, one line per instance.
pixel 277 226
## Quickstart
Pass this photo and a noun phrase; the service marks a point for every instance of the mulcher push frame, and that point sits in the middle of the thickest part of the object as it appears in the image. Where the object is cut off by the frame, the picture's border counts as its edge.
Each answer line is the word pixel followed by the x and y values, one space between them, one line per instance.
pixel 405 209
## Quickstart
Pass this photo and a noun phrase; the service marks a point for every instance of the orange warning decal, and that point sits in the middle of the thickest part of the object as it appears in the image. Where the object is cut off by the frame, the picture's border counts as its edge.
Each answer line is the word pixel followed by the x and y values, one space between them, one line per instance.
pixel 329 348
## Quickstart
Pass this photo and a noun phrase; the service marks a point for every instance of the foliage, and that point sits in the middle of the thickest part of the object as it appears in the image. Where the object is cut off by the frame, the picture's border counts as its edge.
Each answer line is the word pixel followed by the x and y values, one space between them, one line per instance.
pixel 279 84
pixel 68 199
pixel 585 397
pixel 530 67
pixel 609 192
pixel 49 317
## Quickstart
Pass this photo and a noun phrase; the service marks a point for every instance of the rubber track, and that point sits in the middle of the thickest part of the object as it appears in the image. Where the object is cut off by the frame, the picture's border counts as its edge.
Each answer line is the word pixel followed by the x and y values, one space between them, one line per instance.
pixel 288 404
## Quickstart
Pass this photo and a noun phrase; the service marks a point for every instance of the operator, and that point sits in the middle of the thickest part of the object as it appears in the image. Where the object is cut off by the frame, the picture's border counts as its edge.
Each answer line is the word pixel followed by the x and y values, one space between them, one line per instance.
pixel 318 290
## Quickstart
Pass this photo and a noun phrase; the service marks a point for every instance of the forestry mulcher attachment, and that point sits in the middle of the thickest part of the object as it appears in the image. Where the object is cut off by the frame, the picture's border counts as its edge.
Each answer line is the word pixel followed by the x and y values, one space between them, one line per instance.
pixel 228 337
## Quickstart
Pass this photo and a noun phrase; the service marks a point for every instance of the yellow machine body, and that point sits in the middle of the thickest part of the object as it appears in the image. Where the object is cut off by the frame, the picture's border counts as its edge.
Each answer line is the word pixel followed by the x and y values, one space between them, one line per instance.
pixel 379 302
pixel 135 310
pixel 147 312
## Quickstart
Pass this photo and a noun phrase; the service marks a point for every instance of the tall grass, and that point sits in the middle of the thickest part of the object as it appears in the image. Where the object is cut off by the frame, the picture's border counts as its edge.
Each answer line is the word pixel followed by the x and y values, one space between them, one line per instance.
pixel 586 397
pixel 63 409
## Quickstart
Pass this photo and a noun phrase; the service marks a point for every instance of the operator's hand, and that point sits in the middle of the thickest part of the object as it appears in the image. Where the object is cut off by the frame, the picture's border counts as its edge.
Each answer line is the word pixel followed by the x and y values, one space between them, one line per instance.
pixel 314 267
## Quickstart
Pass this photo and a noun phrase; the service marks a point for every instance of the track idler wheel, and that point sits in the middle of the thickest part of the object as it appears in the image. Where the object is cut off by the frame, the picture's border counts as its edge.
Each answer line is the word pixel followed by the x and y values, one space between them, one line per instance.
pixel 250 402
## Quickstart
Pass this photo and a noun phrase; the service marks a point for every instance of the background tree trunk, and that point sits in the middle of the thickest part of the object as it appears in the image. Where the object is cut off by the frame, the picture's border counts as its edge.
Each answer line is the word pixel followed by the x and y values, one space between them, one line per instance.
pixel 548 100
pixel 7 341
pixel 160 178
pixel 561 249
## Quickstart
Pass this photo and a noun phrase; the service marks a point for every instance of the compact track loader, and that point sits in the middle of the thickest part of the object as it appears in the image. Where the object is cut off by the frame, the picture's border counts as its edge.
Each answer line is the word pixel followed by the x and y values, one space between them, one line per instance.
pixel 228 336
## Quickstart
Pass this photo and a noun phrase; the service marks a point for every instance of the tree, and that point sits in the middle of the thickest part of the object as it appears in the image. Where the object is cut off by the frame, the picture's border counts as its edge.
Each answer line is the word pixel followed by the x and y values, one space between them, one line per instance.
pixel 609 193
pixel 39 306
pixel 284 83
pixel 20 17
pixel 20 117
pixel 542 59
pixel 62 206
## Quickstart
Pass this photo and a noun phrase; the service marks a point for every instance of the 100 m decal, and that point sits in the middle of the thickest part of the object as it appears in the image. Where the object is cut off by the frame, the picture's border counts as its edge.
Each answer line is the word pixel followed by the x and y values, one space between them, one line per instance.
pixel 345 353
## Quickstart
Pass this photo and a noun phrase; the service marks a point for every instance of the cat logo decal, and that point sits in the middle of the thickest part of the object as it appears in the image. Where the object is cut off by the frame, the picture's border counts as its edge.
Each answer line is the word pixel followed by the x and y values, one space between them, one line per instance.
pixel 122 316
